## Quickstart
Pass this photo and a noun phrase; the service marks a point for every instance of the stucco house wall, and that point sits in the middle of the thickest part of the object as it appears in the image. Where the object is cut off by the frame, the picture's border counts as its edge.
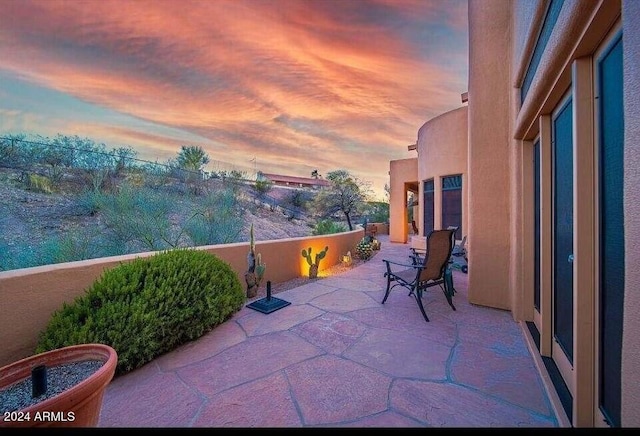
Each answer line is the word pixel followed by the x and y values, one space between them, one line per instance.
pixel 442 150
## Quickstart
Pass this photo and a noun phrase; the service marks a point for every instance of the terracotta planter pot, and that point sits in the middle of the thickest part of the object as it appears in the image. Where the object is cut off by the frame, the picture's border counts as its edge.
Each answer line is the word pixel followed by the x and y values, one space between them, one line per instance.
pixel 83 399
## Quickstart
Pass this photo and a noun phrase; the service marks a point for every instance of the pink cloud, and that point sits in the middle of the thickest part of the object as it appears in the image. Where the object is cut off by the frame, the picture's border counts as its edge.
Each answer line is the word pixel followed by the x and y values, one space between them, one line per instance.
pixel 350 78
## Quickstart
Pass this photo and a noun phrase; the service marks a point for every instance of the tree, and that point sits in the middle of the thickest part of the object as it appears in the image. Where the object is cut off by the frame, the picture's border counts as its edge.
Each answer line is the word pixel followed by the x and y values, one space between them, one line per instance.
pixel 192 158
pixel 346 193
pixel 376 211
pixel 315 174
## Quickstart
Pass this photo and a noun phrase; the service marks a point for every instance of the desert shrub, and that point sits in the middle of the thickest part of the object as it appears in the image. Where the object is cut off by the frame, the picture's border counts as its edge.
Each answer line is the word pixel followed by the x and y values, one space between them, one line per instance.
pixel 67 247
pixel 38 183
pixel 15 257
pixel 140 216
pixel 327 227
pixel 298 199
pixel 149 306
pixel 89 202
pixel 263 186
pixel 77 245
pixel 217 221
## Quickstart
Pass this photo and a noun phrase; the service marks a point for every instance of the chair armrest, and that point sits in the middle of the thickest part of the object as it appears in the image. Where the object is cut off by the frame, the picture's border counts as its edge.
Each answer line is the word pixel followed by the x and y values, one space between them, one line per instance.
pixel 417 259
pixel 401 264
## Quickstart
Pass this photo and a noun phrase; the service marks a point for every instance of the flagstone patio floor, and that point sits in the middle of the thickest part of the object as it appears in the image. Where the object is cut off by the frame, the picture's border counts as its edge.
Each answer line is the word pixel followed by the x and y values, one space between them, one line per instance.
pixel 337 357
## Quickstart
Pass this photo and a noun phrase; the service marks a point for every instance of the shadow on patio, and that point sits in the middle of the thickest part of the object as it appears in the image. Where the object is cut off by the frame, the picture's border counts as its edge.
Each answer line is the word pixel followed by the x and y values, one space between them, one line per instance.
pixel 337 357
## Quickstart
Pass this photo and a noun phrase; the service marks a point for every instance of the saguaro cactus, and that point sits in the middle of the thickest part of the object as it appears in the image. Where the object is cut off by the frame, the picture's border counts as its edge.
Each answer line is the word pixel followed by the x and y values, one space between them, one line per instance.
pixel 313 266
pixel 256 269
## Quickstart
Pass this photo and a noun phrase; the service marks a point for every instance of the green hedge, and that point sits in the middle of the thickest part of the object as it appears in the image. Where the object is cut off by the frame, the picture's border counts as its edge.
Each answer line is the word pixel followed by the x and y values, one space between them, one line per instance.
pixel 149 306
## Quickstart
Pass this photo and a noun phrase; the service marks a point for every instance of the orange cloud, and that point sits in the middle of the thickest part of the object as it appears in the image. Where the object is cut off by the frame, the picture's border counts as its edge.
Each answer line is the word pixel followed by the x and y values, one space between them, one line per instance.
pixel 302 84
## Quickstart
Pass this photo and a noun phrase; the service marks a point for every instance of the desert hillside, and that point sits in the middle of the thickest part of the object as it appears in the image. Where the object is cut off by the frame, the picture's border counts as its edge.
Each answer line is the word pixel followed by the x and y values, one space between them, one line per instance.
pixel 32 219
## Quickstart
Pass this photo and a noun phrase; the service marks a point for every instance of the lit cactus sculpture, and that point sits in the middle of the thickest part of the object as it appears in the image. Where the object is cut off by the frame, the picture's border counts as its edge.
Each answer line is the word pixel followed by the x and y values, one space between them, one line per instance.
pixel 313 266
pixel 255 273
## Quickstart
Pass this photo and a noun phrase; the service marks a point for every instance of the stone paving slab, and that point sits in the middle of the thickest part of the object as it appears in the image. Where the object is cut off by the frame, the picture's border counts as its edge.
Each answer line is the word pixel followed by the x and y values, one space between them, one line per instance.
pixel 341 301
pixel 410 321
pixel 330 389
pixel 266 402
pixel 332 332
pixel 383 420
pixel 306 293
pixel 448 405
pixel 247 361
pixel 258 323
pixel 392 353
pixel 219 339
pixel 352 284
pixel 148 397
pixel 500 373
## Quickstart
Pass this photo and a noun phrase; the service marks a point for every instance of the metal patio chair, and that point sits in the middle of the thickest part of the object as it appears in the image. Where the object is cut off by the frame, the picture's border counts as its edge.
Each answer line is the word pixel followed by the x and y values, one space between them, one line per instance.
pixel 432 270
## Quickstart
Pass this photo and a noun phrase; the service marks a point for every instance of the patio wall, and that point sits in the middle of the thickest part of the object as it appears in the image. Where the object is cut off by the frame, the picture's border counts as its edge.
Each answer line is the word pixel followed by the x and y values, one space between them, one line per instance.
pixel 31 295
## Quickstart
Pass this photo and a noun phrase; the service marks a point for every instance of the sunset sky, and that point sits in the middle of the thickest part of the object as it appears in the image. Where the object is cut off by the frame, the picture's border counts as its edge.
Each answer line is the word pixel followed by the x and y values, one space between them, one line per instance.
pixel 299 85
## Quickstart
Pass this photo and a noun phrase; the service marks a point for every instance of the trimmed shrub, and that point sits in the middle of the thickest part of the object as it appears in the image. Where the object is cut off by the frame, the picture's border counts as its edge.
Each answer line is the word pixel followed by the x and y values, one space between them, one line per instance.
pixel 149 306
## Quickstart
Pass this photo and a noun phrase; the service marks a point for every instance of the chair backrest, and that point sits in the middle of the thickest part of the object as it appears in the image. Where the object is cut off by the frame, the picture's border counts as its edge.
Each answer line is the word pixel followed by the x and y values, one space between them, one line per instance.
pixel 453 236
pixel 372 229
pixel 439 247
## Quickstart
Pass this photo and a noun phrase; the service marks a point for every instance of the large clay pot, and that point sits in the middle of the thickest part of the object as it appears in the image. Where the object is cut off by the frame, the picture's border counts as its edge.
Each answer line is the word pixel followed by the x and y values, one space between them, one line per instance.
pixel 83 399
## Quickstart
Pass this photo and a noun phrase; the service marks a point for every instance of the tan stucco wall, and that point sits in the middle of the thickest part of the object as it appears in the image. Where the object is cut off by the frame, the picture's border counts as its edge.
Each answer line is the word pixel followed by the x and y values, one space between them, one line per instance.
pixel 631 334
pixel 401 171
pixel 489 141
pixel 527 15
pixel 30 296
pixel 442 150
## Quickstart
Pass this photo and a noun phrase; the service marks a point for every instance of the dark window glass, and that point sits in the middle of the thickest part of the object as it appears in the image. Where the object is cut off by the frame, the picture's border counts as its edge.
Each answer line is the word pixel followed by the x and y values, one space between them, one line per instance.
pixel 428 207
pixel 562 138
pixel 611 230
pixel 547 26
pixel 452 203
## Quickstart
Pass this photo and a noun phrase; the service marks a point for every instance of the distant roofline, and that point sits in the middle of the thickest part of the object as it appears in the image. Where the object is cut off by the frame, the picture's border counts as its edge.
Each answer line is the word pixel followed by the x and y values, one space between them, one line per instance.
pixel 295 179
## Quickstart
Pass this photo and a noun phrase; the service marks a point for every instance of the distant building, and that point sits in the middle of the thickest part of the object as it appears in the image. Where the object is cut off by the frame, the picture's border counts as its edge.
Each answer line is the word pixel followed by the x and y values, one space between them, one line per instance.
pixel 294 181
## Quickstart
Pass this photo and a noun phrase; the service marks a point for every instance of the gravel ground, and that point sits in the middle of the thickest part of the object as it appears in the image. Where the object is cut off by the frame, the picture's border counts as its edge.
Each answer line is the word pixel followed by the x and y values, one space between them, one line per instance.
pixel 59 378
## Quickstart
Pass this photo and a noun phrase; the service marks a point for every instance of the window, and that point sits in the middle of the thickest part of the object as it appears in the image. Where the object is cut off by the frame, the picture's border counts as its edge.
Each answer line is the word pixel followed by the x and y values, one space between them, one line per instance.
pixel 428 206
pixel 553 11
pixel 452 203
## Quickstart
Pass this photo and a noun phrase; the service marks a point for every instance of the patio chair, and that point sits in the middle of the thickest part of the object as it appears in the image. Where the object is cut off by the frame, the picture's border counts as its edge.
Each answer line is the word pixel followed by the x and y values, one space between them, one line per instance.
pixel 371 230
pixel 460 251
pixel 432 270
pixel 415 227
